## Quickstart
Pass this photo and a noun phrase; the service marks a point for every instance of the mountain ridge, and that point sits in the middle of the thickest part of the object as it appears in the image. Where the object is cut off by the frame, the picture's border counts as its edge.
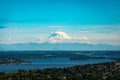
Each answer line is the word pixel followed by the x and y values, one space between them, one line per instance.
pixel 56 46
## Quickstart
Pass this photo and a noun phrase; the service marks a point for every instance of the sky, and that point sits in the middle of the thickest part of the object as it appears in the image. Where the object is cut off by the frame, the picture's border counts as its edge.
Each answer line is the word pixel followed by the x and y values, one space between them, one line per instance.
pixel 63 21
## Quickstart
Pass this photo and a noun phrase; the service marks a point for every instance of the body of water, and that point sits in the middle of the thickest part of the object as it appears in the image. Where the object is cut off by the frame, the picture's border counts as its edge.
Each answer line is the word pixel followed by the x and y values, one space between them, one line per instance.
pixel 50 63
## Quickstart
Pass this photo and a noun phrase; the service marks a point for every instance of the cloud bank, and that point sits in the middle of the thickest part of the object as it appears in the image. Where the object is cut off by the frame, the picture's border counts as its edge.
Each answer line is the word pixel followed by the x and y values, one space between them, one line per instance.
pixel 54 37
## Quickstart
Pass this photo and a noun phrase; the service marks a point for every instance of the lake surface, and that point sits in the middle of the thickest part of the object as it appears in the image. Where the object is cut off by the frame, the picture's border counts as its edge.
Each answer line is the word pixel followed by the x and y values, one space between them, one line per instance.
pixel 50 63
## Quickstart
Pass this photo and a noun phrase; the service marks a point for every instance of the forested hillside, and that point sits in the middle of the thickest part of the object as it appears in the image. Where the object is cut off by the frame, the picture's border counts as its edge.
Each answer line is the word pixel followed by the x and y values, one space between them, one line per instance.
pixel 102 71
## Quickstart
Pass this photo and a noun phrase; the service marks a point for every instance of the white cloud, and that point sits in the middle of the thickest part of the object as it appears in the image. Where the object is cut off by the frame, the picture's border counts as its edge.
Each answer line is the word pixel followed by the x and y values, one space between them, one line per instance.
pixel 62 37
pixel 58 36
pixel 82 39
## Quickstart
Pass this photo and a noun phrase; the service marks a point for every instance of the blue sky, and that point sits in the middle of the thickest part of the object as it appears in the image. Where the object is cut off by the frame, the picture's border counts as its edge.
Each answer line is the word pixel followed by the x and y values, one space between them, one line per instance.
pixel 35 20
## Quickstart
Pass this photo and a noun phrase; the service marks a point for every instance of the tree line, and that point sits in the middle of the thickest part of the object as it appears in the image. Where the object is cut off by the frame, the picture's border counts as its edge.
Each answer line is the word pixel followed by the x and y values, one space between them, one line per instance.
pixel 101 71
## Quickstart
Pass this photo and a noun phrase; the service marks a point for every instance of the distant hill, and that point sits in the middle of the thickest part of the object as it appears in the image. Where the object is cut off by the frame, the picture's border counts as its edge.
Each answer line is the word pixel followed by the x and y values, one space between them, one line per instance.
pixel 56 46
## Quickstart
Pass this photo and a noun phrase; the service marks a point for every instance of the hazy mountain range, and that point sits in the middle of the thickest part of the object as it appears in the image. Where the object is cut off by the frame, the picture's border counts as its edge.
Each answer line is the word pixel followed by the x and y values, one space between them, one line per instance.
pixel 56 46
